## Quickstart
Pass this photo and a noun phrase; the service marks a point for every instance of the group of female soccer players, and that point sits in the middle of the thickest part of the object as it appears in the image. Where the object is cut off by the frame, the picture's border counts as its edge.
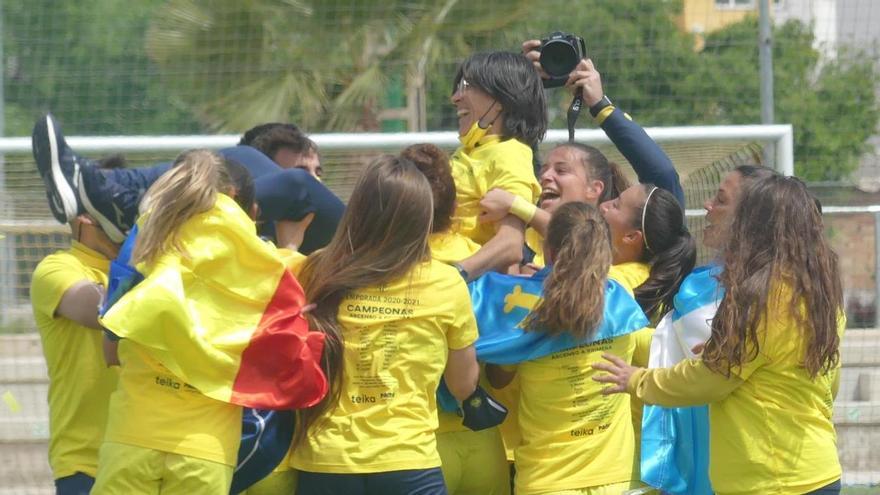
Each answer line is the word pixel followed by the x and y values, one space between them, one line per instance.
pixel 389 294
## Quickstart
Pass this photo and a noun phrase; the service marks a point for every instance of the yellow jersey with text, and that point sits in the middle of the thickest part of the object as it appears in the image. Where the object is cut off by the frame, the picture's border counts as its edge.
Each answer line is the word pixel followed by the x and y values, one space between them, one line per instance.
pixel 493 164
pixel 80 382
pixel 573 436
pixel 154 409
pixel 397 338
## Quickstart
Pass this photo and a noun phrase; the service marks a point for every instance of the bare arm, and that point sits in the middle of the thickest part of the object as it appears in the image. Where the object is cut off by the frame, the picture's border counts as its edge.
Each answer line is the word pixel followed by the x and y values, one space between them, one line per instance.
pixel 80 304
pixel 111 354
pixel 498 376
pixel 540 221
pixel 497 203
pixel 290 234
pixel 462 372
pixel 502 251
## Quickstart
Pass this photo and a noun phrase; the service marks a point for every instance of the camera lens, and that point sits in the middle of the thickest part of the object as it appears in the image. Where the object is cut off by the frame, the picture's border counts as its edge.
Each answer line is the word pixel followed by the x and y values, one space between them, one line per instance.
pixel 558 58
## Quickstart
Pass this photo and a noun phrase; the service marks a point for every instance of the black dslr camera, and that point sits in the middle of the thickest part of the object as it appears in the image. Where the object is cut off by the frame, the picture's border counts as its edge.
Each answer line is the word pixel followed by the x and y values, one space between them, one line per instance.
pixel 560 54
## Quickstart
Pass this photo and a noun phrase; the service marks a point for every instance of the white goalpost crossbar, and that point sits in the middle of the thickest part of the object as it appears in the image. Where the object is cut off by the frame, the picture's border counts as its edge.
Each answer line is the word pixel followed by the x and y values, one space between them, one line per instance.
pixel 781 135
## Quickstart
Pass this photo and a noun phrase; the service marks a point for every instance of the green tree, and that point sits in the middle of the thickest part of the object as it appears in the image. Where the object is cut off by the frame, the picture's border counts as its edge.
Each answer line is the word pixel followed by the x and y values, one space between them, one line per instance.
pixel 238 63
pixel 94 74
pixel 635 44
pixel 831 104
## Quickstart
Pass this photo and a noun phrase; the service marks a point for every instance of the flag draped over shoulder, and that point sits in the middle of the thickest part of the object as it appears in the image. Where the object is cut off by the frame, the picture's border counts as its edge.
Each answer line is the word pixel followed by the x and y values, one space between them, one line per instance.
pixel 501 302
pixel 675 441
pixel 226 317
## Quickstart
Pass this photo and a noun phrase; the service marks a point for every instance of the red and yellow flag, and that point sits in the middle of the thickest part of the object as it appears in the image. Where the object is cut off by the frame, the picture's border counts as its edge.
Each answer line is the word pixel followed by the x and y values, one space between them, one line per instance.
pixel 226 317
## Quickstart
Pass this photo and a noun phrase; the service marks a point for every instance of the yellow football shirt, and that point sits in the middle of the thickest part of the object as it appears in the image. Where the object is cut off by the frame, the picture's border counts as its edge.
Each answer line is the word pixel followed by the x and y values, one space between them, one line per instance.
pixel 630 274
pixel 154 409
pixel 494 163
pixel 80 383
pixel 451 247
pixel 772 431
pixel 572 436
pixel 397 338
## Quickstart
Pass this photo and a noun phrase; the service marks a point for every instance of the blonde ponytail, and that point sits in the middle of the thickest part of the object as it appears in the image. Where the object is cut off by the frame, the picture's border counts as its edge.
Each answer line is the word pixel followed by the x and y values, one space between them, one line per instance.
pixel 574 292
pixel 189 188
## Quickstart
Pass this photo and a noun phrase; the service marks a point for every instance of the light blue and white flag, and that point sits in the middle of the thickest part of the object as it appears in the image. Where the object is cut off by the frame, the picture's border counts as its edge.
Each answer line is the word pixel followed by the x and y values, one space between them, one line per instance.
pixel 675 441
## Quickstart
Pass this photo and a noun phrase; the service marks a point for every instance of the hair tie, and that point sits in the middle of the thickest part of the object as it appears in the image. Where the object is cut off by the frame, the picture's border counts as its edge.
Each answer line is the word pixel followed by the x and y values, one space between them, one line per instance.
pixel 644 210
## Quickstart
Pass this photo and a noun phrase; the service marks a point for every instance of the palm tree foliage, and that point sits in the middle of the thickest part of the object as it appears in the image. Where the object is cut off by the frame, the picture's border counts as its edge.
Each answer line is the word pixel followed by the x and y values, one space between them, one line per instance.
pixel 323 65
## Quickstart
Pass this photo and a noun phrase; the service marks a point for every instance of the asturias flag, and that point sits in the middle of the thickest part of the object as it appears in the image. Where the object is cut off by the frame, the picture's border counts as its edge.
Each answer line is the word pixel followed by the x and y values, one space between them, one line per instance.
pixel 501 303
pixel 226 317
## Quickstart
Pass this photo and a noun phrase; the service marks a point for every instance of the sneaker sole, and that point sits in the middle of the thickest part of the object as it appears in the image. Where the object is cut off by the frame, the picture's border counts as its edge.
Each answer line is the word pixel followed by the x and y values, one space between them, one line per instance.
pixel 61 190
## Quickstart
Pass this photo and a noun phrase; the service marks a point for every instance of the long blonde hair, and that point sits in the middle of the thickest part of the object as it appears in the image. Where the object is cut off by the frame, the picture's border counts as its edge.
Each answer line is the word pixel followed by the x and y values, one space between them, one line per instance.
pixel 382 236
pixel 189 188
pixel 574 292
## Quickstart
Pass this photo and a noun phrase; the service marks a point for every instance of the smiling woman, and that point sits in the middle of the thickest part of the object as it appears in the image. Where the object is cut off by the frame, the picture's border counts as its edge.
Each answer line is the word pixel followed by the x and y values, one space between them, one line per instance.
pixel 501 115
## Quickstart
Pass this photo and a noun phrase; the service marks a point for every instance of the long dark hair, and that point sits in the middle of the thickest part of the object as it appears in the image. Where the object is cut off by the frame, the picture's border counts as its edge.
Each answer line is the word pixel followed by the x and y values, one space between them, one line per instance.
pixel 668 248
pixel 597 166
pixel 574 292
pixel 512 80
pixel 777 257
pixel 382 235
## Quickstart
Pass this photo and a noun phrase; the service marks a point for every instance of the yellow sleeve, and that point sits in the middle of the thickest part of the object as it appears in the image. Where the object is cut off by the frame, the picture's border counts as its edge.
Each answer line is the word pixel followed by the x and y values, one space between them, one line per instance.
pixel 642 350
pixel 514 173
pixel 463 330
pixel 50 281
pixel 688 383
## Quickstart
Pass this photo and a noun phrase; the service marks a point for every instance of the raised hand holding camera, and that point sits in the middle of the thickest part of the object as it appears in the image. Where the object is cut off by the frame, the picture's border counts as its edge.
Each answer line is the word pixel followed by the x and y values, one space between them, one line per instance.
pixel 556 58
pixel 559 55
pixel 587 81
pixel 530 50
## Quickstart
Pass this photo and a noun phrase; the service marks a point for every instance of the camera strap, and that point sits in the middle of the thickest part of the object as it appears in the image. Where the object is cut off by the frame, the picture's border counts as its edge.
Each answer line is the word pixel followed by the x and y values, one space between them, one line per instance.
pixel 574 110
